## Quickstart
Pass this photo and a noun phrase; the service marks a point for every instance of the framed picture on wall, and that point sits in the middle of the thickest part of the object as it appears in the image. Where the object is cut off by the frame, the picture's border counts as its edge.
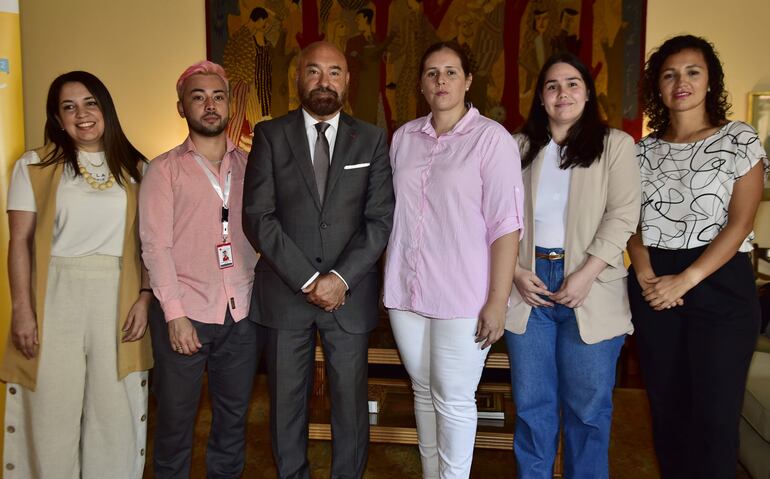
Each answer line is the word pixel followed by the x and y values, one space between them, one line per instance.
pixel 759 117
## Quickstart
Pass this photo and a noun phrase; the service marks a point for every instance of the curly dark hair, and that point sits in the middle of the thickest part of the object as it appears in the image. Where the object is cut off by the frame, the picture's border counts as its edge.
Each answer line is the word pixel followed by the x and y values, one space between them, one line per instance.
pixel 585 141
pixel 717 106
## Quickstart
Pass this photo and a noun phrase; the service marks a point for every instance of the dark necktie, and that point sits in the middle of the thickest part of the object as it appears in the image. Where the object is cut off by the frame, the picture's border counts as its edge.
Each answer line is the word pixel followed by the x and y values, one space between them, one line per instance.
pixel 321 159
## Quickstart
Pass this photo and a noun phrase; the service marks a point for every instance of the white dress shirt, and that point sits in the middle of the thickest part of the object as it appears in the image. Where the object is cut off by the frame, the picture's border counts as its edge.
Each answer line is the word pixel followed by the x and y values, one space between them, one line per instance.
pixel 331 137
pixel 312 133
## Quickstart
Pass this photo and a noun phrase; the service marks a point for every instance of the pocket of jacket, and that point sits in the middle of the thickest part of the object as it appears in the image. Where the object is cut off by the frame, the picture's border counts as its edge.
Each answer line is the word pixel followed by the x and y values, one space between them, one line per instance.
pixel 353 167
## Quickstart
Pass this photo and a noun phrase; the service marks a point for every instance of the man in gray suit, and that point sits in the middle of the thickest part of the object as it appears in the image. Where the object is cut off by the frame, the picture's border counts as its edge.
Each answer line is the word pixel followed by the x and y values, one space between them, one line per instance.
pixel 318 206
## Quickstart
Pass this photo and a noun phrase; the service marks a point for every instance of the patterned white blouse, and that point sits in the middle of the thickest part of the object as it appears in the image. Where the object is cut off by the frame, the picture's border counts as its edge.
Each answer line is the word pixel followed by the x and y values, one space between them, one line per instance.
pixel 686 187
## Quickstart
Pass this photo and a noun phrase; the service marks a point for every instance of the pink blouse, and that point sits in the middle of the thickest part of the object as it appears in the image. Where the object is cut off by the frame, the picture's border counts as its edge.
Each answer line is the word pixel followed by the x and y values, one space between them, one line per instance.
pixel 455 195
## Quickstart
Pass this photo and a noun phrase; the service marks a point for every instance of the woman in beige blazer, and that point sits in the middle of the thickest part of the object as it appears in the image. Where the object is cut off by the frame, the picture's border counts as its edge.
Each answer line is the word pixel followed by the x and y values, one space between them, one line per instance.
pixel 77 359
pixel 569 312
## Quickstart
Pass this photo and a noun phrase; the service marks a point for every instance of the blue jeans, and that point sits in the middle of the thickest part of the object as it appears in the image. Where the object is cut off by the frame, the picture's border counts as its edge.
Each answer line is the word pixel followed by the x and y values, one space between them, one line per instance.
pixel 553 371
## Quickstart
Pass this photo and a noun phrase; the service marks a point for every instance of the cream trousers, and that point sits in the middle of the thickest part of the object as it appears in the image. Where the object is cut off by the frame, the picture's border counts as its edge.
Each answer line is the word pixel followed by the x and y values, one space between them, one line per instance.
pixel 80 422
pixel 445 364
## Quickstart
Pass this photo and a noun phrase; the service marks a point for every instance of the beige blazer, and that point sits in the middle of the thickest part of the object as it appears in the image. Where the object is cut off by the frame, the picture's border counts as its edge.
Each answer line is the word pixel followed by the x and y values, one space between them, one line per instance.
pixel 132 356
pixel 602 212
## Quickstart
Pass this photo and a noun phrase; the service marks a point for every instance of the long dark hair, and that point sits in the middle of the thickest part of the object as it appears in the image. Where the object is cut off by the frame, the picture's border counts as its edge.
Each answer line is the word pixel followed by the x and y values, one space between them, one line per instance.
pixel 585 139
pixel 717 106
pixel 122 158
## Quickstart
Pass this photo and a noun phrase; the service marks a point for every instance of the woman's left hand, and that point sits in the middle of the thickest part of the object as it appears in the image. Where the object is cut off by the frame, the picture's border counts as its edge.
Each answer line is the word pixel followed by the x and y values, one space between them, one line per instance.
pixel 136 324
pixel 574 289
pixel 667 291
pixel 491 324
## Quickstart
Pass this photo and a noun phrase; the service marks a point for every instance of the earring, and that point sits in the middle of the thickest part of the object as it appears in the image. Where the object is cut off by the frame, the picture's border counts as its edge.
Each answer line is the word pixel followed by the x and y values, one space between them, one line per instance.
pixel 708 90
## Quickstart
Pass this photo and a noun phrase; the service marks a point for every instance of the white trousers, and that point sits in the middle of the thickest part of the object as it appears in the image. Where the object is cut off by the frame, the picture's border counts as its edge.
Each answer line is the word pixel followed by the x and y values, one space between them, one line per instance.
pixel 80 422
pixel 445 364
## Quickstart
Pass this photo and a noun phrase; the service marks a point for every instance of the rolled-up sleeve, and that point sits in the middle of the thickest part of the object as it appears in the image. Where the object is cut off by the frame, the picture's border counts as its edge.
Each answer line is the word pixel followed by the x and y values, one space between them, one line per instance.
pixel 503 193
pixel 621 215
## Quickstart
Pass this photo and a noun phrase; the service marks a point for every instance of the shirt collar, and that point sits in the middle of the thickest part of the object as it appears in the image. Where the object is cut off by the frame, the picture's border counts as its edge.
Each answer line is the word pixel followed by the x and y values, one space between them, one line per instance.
pixel 466 124
pixel 189 146
pixel 310 121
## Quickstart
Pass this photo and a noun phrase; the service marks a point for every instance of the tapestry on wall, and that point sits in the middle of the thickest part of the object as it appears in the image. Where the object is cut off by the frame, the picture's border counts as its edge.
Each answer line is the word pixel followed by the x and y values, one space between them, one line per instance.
pixel 257 41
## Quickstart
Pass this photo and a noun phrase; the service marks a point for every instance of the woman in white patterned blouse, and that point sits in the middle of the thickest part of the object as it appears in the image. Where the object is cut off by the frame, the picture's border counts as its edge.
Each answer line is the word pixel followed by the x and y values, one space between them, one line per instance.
pixel 692 292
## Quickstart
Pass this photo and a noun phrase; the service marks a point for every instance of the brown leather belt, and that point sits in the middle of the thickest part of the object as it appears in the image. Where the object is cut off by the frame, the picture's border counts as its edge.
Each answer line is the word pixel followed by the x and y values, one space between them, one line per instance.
pixel 553 256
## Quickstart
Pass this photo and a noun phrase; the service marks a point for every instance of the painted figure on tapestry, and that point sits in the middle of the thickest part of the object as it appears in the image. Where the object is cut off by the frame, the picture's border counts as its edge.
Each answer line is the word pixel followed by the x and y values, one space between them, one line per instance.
pixel 506 41
pixel 239 62
pixel 364 55
pixel 567 40
pixel 413 35
pixel 538 46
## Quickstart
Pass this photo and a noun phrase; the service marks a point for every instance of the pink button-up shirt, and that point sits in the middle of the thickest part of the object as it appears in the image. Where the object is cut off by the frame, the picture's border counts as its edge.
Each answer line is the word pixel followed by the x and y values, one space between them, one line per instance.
pixel 455 195
pixel 180 227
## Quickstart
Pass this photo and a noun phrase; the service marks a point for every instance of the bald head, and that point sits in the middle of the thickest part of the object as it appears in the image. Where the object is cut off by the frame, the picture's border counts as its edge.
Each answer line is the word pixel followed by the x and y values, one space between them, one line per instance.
pixel 322 79
pixel 322 50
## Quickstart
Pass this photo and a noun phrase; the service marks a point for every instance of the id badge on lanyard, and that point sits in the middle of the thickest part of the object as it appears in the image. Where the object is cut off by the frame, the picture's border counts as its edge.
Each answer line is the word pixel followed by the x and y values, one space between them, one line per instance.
pixel 225 248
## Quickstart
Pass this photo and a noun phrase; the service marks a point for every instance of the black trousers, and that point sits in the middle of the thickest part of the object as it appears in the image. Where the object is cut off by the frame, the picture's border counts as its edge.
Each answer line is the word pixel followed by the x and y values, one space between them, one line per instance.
pixel 695 359
pixel 290 359
pixel 230 353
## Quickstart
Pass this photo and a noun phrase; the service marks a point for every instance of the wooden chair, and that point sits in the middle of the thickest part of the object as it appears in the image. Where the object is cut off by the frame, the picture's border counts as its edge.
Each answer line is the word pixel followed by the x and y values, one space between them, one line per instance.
pixel 760 256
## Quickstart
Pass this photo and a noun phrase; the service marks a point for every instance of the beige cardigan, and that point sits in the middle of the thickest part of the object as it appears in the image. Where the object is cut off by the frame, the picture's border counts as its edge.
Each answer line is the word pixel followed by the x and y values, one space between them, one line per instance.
pixel 132 356
pixel 602 212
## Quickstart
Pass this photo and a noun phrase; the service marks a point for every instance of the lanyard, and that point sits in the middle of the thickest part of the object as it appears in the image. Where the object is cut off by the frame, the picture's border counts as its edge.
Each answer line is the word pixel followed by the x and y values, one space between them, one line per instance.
pixel 223 195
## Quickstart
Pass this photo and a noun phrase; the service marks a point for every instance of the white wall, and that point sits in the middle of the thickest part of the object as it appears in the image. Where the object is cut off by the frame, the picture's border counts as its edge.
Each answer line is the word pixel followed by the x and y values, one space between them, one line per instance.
pixel 137 48
pixel 739 29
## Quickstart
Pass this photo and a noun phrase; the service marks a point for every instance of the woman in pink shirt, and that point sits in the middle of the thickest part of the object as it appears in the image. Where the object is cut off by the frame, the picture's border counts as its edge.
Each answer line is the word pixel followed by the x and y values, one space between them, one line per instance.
pixel 451 255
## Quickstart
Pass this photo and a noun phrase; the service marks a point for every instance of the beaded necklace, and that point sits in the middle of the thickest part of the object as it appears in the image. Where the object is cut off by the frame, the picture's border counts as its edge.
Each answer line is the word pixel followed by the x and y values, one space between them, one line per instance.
pixel 97 181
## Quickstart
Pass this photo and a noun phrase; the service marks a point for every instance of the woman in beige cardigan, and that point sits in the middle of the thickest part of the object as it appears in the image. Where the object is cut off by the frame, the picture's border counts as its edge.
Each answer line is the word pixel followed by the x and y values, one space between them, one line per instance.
pixel 569 311
pixel 76 366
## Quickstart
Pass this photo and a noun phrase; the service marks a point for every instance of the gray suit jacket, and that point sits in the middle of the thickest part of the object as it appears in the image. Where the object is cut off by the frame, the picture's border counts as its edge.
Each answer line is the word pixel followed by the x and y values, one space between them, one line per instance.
pixel 297 236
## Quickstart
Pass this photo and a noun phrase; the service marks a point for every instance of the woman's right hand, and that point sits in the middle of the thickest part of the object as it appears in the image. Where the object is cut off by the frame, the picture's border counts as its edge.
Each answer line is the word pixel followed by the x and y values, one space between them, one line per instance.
pixel 647 279
pixel 24 333
pixel 530 287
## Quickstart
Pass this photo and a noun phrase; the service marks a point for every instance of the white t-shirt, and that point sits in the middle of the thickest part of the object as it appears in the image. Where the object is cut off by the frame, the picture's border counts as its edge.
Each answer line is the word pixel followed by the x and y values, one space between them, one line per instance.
pixel 88 221
pixel 687 187
pixel 551 200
